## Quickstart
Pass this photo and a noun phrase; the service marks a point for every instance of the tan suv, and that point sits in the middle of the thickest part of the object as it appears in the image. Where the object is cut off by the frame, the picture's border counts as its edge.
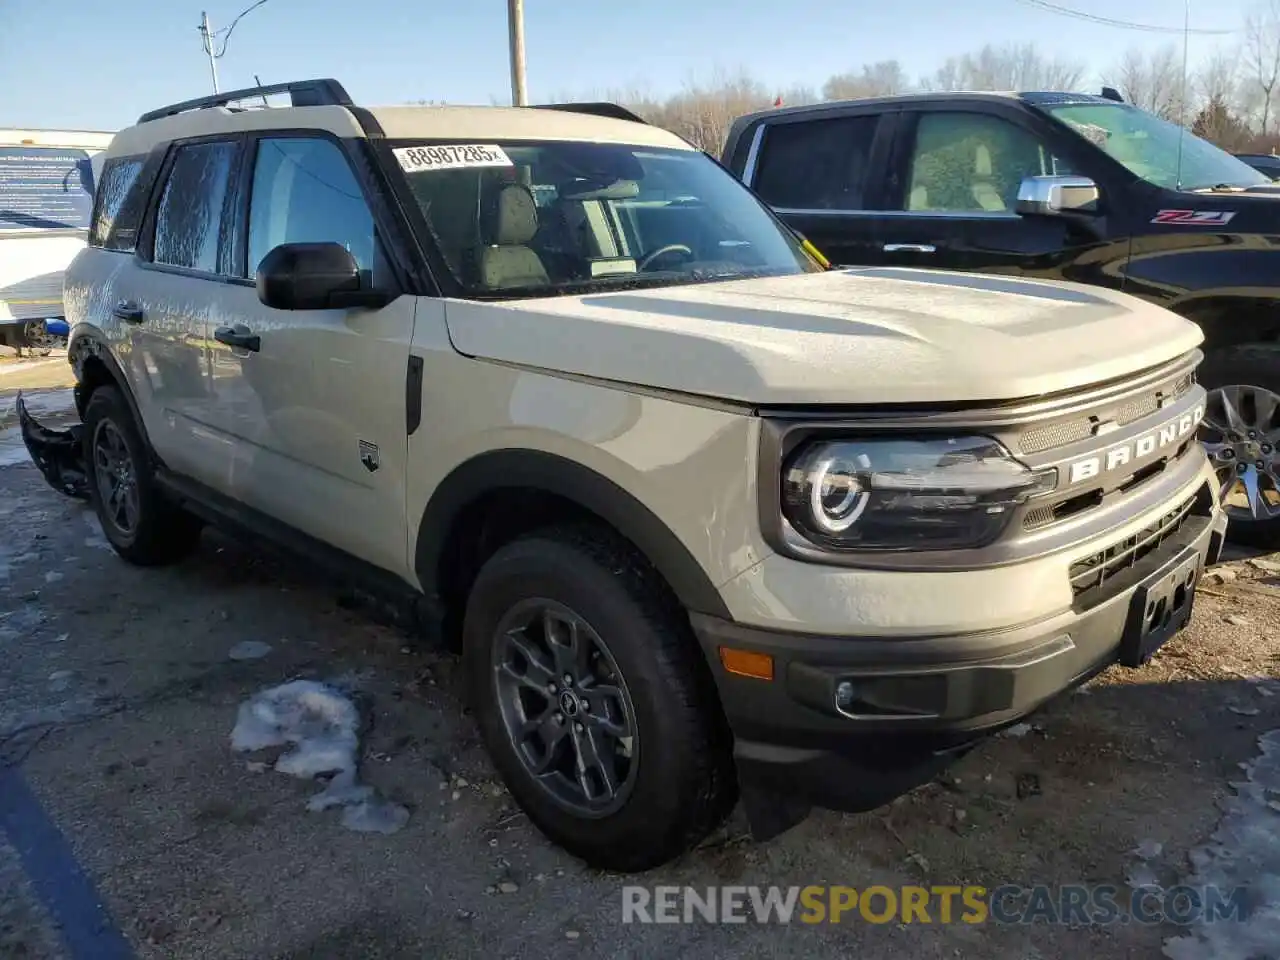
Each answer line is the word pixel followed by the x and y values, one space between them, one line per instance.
pixel 706 519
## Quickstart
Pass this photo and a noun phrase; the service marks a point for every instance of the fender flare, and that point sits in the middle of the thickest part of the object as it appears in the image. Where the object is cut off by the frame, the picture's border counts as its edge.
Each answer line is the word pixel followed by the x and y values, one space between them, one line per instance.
pixel 86 343
pixel 552 474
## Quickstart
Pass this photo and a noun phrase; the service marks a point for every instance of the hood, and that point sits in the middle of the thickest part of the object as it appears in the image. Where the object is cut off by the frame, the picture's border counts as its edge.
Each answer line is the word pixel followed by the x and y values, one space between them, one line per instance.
pixel 855 336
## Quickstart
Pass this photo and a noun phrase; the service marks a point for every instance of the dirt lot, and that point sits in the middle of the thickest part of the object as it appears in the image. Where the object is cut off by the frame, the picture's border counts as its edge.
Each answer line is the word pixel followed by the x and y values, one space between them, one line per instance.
pixel 118 693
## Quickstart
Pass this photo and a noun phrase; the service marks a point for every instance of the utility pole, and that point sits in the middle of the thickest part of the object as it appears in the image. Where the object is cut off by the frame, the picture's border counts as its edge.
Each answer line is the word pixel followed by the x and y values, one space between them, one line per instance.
pixel 515 29
pixel 206 38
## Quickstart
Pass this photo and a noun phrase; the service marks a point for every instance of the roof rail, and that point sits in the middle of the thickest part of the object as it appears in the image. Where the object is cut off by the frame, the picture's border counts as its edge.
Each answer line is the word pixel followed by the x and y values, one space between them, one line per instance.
pixel 302 93
pixel 612 110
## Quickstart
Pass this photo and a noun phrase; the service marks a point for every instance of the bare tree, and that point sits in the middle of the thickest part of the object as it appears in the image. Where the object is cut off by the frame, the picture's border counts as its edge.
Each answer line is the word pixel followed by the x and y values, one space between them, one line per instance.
pixel 1218 78
pixel 1152 82
pixel 1011 67
pixel 874 80
pixel 1262 56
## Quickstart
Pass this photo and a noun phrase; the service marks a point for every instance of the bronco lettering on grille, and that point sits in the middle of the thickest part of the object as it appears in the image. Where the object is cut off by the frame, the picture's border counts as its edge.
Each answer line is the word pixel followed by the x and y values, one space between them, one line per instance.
pixel 1143 445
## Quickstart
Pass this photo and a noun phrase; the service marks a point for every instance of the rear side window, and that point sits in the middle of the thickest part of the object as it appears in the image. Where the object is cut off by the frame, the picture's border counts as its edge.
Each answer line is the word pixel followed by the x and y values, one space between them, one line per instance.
pixel 189 219
pixel 816 164
pixel 110 230
pixel 304 191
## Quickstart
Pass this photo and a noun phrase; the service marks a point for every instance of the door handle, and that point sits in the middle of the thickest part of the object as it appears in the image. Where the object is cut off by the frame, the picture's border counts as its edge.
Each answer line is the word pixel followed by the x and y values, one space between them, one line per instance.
pixel 909 248
pixel 238 336
pixel 128 311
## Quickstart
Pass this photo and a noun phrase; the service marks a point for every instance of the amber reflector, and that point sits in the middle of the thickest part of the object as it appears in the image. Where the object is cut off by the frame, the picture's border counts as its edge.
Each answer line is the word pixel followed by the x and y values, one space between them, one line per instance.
pixel 747 663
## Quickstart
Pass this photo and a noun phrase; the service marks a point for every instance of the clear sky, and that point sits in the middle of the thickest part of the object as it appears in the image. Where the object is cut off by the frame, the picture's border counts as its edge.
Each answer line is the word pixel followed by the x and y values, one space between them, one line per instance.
pixel 97 64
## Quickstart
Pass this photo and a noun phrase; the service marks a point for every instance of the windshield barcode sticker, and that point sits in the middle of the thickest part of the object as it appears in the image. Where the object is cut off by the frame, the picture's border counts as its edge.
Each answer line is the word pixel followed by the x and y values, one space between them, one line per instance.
pixel 453 156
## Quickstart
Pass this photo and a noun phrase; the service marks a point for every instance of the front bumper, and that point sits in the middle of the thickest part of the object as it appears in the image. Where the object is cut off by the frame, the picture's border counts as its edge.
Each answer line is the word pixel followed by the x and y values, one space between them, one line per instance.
pixel 910 705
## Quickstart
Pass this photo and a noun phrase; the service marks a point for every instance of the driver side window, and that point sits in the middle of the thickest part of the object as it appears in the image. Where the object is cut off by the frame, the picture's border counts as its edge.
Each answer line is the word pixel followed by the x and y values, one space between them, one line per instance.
pixel 970 162
pixel 304 191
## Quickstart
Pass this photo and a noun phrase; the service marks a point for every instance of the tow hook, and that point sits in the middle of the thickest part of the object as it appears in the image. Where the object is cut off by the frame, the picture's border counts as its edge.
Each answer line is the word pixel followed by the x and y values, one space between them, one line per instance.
pixel 59 454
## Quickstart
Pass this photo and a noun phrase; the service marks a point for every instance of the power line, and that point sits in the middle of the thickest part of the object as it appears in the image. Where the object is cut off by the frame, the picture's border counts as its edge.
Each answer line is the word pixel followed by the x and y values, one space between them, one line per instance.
pixel 1050 7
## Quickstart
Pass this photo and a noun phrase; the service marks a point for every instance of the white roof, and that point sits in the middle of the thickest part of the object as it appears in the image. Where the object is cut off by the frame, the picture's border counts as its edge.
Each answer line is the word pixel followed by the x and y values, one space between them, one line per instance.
pixel 473 124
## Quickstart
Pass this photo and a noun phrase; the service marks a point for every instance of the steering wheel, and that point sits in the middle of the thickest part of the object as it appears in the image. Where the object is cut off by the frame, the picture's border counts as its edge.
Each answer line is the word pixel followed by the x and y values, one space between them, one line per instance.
pixel 648 258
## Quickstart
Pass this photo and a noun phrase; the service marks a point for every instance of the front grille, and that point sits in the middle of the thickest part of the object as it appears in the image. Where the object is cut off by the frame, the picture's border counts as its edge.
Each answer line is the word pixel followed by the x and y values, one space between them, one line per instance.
pixel 1094 571
pixel 1080 427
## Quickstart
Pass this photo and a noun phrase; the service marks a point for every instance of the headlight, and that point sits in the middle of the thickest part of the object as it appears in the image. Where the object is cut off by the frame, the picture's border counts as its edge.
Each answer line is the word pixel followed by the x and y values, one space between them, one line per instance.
pixel 940 494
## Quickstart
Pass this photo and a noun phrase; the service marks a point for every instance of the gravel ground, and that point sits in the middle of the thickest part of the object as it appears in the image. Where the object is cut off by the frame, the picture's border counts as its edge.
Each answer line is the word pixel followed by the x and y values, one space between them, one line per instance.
pixel 122 689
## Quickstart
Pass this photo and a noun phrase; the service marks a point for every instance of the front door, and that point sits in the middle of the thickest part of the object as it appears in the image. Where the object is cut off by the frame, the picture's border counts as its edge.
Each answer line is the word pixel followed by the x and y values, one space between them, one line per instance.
pixel 951 196
pixel 314 409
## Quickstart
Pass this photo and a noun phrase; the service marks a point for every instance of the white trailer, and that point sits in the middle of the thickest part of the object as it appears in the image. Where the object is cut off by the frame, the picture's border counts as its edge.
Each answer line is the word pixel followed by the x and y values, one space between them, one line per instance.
pixel 47 183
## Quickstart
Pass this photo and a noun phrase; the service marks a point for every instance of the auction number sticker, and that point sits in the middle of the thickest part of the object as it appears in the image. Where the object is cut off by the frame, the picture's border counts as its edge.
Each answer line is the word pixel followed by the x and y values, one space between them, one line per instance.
pixel 453 156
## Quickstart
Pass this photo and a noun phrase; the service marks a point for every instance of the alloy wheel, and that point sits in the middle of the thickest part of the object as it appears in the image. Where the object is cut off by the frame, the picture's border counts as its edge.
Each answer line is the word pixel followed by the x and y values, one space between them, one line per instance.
pixel 1241 434
pixel 565 707
pixel 116 479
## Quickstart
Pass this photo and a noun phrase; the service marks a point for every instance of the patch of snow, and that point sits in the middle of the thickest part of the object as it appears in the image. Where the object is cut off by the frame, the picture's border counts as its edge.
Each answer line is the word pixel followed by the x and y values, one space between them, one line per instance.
pixel 320 723
pixel 1243 853
pixel 249 650
pixel 12 450
pixel 1142 876
pixel 40 403
pixel 19 624
pixel 1017 730
pixel 96 537
pixel 1148 849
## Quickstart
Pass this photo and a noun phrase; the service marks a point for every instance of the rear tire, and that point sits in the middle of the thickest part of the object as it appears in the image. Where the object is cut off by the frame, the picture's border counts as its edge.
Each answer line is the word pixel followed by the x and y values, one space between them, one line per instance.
pixel 673 776
pixel 138 521
pixel 1247 378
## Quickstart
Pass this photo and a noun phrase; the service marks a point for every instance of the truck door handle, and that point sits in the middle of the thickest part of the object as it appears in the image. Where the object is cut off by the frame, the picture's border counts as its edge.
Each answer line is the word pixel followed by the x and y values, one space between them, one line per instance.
pixel 128 311
pixel 909 248
pixel 238 336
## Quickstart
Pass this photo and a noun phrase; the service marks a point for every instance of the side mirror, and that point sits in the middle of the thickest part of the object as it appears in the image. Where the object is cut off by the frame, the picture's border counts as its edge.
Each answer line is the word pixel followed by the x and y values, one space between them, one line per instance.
pixel 1056 196
pixel 313 276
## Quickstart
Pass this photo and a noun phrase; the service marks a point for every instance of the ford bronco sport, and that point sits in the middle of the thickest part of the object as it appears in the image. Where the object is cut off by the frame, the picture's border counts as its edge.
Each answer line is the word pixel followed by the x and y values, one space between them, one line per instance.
pixel 1061 186
pixel 706 519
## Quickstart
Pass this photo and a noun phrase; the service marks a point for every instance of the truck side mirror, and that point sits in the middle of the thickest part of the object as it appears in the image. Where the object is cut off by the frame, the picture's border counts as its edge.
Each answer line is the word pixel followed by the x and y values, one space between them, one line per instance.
pixel 313 276
pixel 1057 196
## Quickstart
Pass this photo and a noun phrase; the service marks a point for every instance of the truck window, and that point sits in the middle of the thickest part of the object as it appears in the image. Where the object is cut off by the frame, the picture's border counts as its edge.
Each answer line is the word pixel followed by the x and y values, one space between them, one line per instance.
pixel 1156 150
pixel 972 162
pixel 189 220
pixel 816 164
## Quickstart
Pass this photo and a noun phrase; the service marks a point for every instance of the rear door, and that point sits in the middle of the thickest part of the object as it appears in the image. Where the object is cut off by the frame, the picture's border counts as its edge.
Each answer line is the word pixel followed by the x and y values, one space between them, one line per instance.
pixel 952 188
pixel 823 175
pixel 186 259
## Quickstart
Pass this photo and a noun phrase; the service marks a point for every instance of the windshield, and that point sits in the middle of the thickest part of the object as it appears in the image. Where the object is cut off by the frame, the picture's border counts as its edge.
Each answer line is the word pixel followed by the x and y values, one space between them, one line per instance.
pixel 550 218
pixel 1149 147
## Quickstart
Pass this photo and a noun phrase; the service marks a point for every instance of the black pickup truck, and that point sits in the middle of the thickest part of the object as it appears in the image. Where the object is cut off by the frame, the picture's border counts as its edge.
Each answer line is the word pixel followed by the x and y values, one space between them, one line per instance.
pixel 1059 186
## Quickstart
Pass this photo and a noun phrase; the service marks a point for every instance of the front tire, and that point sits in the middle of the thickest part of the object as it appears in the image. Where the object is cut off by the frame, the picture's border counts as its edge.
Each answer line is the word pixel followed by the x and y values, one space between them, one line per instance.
pixel 140 524
pixel 593 700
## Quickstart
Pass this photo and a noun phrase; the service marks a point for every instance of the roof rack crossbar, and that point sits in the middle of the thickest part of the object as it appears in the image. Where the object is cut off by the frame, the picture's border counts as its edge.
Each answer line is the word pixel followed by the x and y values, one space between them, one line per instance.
pixel 302 93
pixel 612 110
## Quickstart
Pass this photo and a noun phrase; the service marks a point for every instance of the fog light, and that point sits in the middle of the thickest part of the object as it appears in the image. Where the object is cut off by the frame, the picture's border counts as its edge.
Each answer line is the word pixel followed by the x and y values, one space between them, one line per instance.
pixel 844 694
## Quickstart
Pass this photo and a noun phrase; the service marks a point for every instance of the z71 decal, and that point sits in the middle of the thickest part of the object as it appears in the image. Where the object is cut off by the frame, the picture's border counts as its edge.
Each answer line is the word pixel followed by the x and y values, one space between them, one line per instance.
pixel 1201 218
